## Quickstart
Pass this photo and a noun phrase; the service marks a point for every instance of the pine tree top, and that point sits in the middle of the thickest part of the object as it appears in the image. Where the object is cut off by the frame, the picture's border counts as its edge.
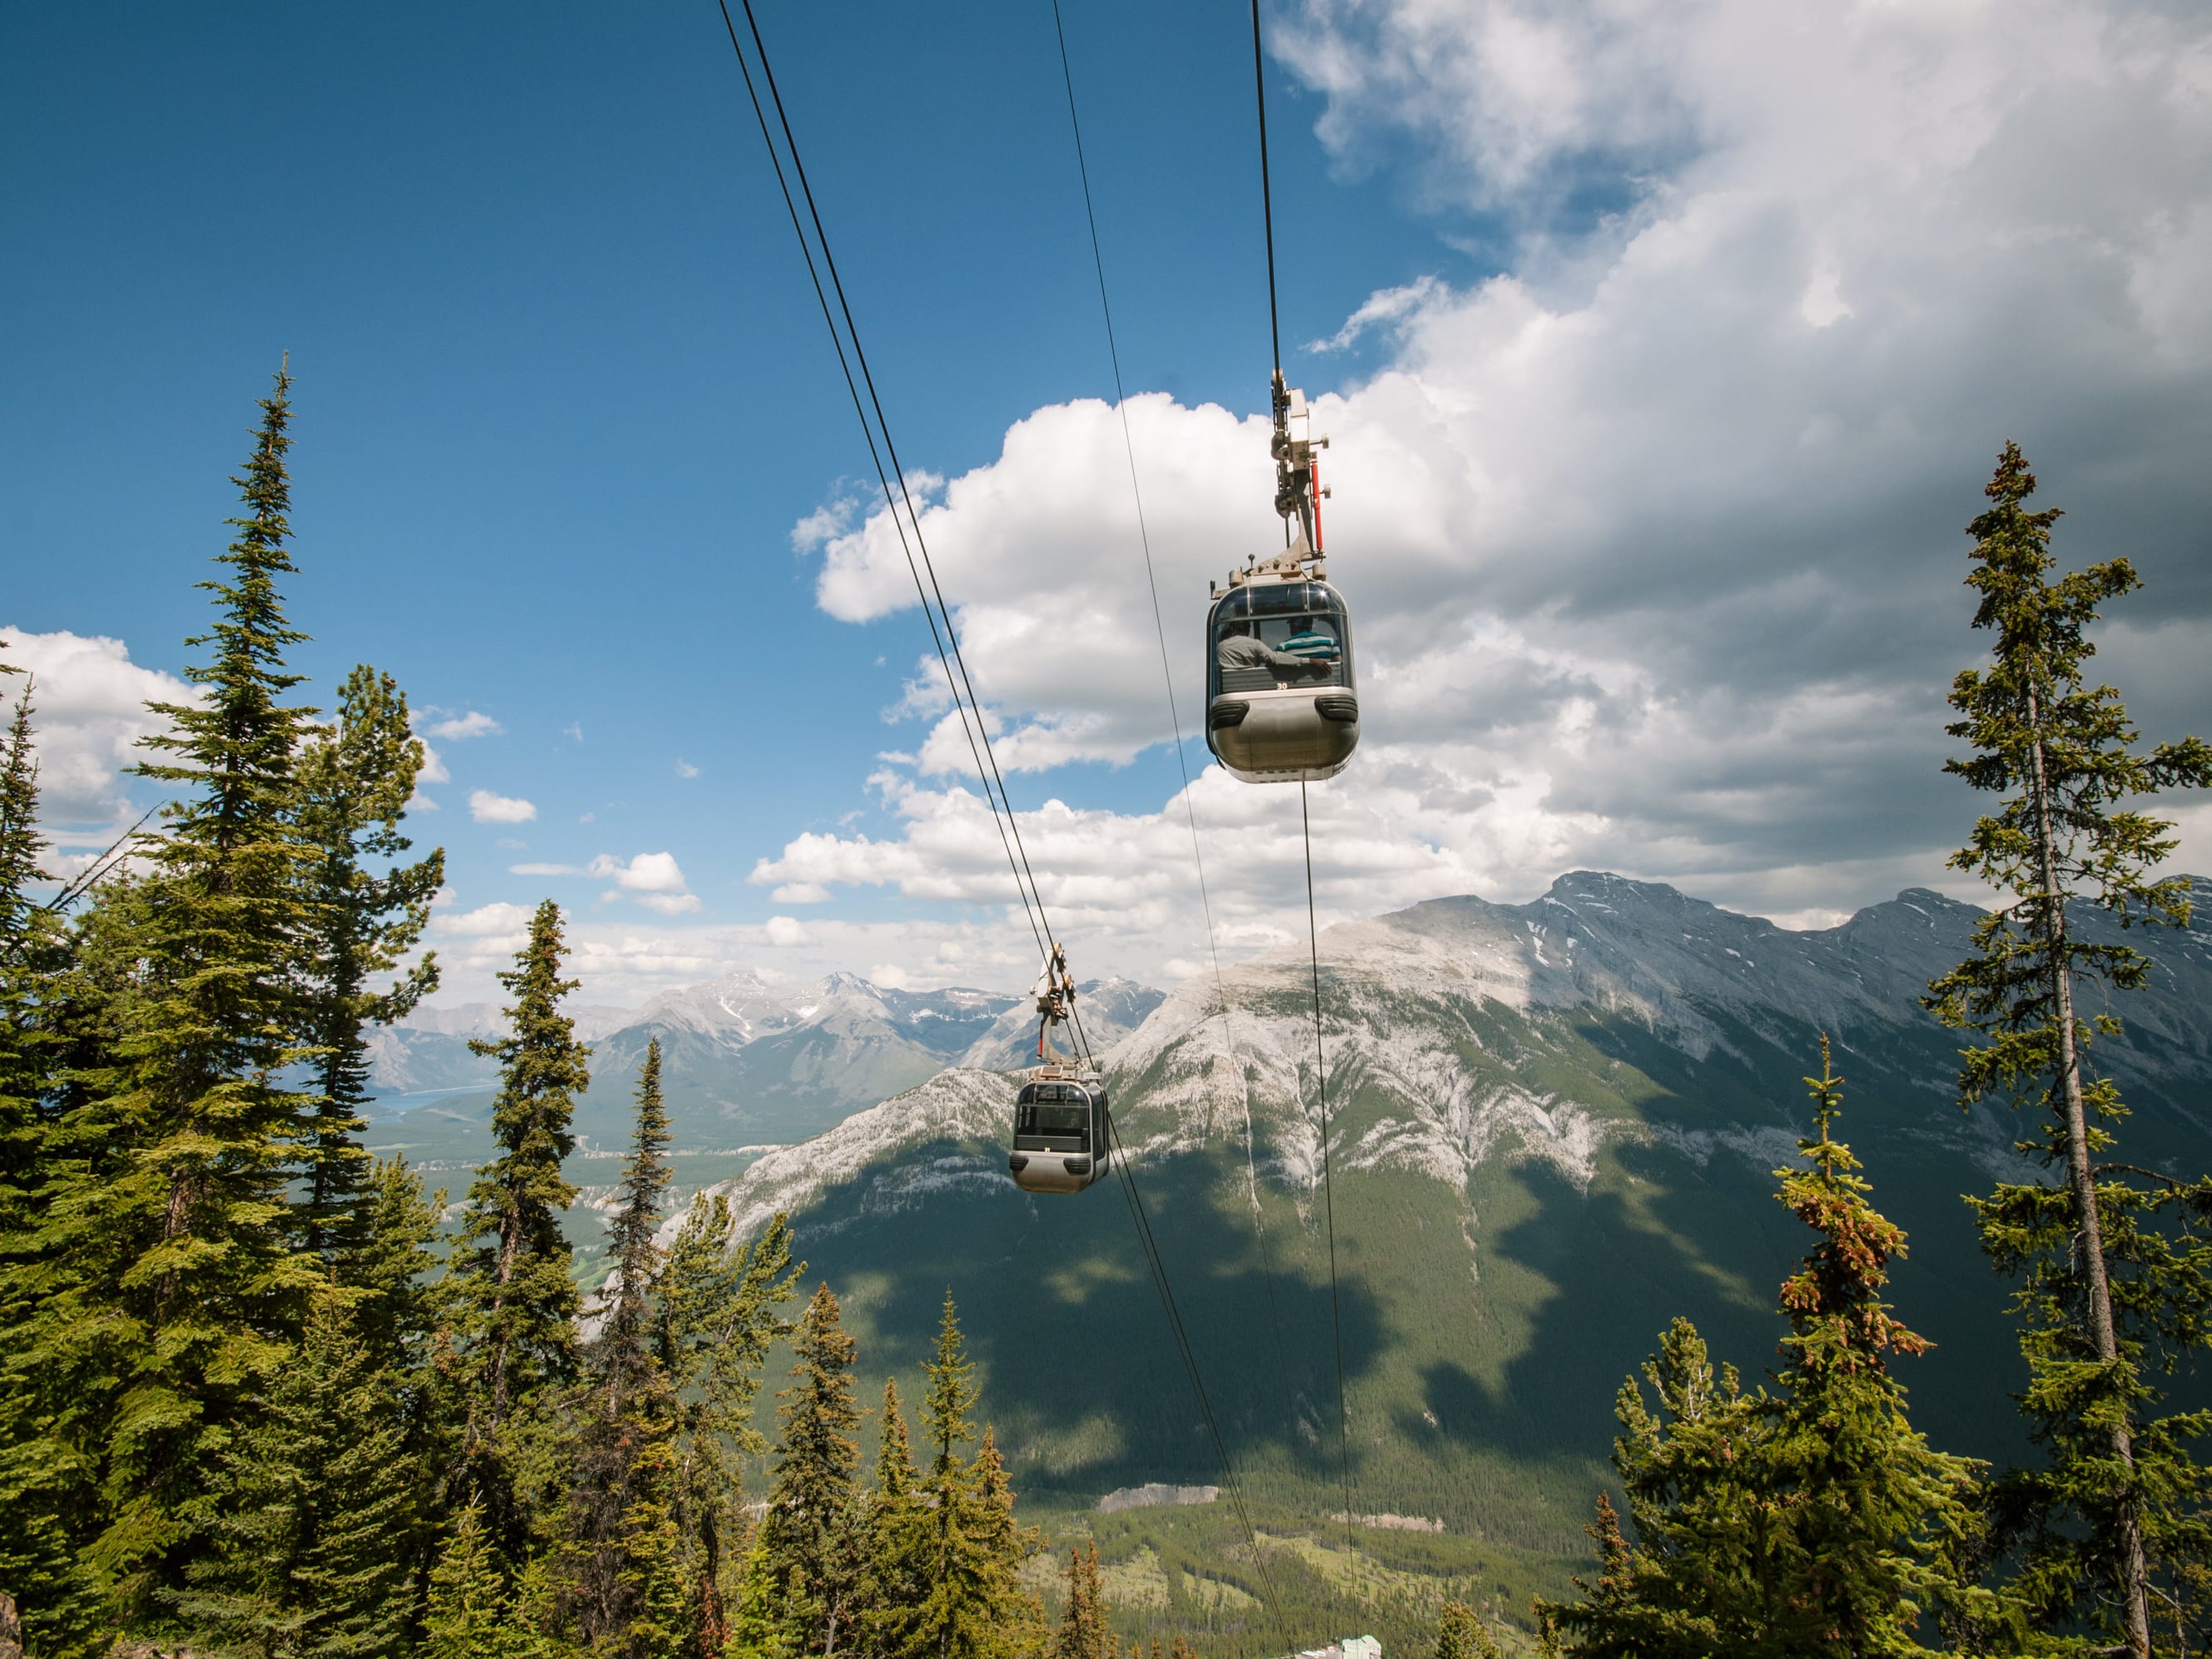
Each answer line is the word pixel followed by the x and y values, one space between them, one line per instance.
pixel 894 1471
pixel 1836 1319
pixel 237 744
pixel 952 1392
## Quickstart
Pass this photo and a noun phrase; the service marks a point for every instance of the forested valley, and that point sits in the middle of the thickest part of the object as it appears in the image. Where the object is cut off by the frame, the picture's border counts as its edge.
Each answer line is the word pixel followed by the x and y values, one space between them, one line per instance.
pixel 262 1394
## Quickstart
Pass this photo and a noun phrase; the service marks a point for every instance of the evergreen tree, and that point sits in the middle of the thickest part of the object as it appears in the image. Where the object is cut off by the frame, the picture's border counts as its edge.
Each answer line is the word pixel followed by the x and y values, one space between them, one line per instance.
pixel 956 1549
pixel 1084 1631
pixel 624 1353
pixel 1810 1523
pixel 889 1595
pixel 758 1629
pixel 42 1492
pixel 396 1304
pixel 311 1500
pixel 1460 1634
pixel 472 1613
pixel 714 1314
pixel 1002 1544
pixel 805 1530
pixel 514 1286
pixel 624 1564
pixel 1871 1541
pixel 2114 1280
pixel 171 1288
pixel 356 777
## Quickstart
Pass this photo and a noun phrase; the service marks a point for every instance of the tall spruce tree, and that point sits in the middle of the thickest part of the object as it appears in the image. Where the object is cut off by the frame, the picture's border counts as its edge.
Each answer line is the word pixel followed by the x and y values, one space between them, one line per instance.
pixel 173 1287
pixel 1811 1522
pixel 398 1312
pixel 807 1530
pixel 28 940
pixel 624 1565
pixel 42 1492
pixel 514 1286
pixel 1085 1631
pixel 888 1593
pixel 714 1320
pixel 2114 1277
pixel 1015 1618
pixel 954 1551
pixel 311 1512
pixel 364 915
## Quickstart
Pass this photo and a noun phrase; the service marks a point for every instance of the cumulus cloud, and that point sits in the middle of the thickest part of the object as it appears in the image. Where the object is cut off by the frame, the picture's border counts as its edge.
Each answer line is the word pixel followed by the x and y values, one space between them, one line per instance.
pixel 500 921
pixel 1652 540
pixel 456 728
pixel 89 701
pixel 485 807
pixel 685 769
pixel 785 931
pixel 652 880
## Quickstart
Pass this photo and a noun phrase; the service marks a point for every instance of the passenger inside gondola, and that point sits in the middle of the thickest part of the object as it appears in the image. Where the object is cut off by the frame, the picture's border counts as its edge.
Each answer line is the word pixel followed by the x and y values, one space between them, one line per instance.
pixel 1291 650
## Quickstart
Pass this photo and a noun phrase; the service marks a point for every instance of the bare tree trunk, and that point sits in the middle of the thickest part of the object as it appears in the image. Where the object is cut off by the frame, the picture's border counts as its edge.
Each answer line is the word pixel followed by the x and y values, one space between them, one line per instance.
pixel 2135 1573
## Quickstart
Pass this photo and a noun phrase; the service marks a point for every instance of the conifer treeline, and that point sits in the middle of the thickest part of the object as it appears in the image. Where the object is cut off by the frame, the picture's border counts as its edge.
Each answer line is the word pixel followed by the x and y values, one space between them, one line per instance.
pixel 247 1403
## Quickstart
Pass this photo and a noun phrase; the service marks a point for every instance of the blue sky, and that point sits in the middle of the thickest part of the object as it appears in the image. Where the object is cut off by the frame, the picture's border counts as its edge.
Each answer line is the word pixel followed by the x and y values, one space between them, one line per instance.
pixel 562 397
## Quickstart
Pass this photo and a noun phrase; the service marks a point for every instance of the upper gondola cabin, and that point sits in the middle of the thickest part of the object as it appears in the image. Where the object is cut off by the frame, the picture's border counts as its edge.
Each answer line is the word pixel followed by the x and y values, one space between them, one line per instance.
pixel 1281 702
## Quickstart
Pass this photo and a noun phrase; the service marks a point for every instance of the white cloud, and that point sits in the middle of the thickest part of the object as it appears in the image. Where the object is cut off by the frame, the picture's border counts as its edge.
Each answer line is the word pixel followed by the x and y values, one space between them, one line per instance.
pixel 457 728
pixel 573 731
pixel 89 712
pixel 1390 304
pixel 433 768
pixel 646 872
pixel 499 920
pixel 825 524
pixel 801 892
pixel 785 931
pixel 547 870
pixel 485 807
pixel 1652 542
pixel 685 769
pixel 652 880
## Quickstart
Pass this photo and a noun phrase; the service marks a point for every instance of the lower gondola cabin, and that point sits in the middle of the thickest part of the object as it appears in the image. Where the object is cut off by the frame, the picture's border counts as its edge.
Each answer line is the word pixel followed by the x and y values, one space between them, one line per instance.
pixel 1060 1135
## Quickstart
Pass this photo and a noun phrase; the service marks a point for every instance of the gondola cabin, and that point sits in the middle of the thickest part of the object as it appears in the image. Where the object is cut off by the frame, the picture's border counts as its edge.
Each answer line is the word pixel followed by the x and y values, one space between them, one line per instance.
pixel 1282 705
pixel 1059 1133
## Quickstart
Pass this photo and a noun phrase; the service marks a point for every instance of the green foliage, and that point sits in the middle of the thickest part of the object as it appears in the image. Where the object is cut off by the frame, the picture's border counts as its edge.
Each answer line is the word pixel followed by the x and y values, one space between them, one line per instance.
pixel 171 1284
pixel 1085 1631
pixel 1813 1521
pixel 309 1498
pixel 808 1530
pixel 961 1550
pixel 354 778
pixel 473 1612
pixel 2114 1279
pixel 714 1319
pixel 622 1557
pixel 513 1292
pixel 1460 1634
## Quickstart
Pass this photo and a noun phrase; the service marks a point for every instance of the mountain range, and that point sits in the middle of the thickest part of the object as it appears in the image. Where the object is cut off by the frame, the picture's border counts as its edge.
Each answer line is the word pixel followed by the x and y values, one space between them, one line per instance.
pixel 1547 1129
pixel 746 1060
